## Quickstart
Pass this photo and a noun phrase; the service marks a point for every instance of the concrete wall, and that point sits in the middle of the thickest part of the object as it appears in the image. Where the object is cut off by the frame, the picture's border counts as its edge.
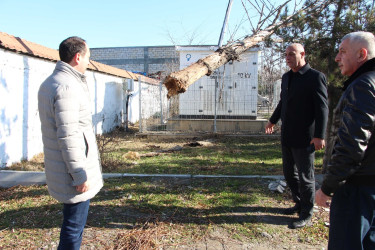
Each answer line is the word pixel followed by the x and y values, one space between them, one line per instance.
pixel 147 60
pixel 107 98
pixel 20 78
pixel 222 125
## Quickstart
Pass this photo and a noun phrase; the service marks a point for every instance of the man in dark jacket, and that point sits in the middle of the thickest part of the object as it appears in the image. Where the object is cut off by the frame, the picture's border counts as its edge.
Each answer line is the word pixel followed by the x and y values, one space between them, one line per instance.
pixel 303 111
pixel 351 168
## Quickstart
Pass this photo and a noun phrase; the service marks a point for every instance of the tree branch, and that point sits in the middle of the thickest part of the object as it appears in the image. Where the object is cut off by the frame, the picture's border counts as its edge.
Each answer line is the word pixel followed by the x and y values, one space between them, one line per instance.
pixel 178 82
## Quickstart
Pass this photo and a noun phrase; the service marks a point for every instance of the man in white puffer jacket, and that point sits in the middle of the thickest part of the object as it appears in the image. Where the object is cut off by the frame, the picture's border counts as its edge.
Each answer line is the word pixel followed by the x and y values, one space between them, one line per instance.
pixel 71 158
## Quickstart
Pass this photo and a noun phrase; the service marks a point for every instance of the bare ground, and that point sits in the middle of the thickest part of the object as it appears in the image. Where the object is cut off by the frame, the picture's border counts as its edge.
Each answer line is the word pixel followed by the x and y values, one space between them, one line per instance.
pixel 218 237
pixel 271 230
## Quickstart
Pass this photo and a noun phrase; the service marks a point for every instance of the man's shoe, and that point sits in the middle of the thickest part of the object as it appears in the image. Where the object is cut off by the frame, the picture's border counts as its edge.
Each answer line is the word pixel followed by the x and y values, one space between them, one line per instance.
pixel 301 223
pixel 292 210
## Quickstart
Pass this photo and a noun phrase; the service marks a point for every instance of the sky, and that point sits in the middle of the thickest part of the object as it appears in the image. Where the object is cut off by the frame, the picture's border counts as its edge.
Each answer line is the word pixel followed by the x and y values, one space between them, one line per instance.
pixel 121 23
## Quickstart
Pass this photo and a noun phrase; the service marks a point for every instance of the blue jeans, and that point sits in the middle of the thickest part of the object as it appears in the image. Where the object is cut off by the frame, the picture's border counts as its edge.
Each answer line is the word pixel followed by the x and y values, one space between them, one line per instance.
pixel 352 218
pixel 75 216
pixel 298 168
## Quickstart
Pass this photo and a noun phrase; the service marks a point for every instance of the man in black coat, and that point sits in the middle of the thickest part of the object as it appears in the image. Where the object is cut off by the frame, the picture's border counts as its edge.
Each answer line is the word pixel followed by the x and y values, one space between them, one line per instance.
pixel 350 178
pixel 303 111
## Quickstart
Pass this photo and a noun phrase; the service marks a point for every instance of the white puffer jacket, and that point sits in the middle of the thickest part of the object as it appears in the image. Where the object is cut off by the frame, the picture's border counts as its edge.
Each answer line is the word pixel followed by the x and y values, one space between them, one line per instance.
pixel 70 151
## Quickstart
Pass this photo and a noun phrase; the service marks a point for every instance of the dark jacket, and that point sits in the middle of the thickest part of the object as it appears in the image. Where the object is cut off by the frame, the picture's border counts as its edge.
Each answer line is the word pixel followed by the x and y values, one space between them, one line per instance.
pixel 353 155
pixel 303 109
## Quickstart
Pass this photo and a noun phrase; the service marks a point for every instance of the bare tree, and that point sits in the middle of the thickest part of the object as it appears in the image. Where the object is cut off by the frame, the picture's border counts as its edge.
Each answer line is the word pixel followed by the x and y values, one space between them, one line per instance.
pixel 189 37
pixel 273 66
pixel 269 20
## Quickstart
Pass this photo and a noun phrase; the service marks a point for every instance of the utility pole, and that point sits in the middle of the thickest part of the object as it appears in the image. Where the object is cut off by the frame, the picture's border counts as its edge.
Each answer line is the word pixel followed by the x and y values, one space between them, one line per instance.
pixel 225 23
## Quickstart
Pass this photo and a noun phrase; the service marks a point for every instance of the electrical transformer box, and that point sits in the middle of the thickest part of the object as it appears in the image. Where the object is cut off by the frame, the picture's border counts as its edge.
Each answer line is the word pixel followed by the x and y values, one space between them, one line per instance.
pixel 230 92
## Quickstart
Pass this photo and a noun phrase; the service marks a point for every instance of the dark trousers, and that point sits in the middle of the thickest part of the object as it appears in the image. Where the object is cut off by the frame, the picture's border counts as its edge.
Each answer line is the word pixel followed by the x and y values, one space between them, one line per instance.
pixel 75 216
pixel 298 168
pixel 352 218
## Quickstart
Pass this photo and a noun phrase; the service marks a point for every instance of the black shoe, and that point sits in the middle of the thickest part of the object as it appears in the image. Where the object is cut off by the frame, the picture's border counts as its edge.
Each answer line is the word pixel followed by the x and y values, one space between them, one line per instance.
pixel 301 223
pixel 292 210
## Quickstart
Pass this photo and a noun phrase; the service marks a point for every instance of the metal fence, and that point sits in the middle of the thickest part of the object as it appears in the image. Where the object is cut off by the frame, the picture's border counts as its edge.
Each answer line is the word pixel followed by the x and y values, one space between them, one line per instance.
pixel 224 102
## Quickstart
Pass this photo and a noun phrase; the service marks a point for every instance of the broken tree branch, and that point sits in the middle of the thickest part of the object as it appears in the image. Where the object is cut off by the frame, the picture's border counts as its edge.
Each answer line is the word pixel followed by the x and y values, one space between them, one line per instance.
pixel 178 82
pixel 247 13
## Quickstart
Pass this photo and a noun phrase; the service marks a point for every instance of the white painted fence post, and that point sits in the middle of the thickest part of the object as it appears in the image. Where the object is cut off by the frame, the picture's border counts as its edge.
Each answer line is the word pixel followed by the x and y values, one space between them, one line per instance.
pixel 140 104
pixel 161 103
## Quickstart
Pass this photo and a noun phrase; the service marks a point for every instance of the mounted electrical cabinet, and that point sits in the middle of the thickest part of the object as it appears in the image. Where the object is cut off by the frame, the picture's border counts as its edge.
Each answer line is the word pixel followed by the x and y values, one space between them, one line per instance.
pixel 231 92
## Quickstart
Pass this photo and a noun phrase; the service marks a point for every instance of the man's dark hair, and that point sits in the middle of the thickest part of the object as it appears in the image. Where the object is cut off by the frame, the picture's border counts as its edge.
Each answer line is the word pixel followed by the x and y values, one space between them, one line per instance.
pixel 70 47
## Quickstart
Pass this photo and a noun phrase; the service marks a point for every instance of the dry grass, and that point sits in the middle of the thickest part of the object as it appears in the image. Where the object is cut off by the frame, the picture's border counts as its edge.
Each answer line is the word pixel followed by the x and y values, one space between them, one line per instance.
pixel 155 213
pixel 160 213
pixel 35 164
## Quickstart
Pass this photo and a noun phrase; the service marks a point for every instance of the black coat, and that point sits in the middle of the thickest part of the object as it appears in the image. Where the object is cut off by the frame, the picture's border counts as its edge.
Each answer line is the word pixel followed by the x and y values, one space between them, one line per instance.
pixel 303 108
pixel 353 155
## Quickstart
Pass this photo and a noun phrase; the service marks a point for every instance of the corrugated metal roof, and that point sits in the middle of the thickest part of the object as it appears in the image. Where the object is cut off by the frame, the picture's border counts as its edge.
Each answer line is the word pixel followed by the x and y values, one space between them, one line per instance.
pixel 23 46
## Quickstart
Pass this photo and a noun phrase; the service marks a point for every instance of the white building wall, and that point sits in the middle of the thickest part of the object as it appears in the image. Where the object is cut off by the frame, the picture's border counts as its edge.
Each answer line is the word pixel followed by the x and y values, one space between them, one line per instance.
pixel 151 100
pixel 20 78
pixel 106 93
pixel 133 109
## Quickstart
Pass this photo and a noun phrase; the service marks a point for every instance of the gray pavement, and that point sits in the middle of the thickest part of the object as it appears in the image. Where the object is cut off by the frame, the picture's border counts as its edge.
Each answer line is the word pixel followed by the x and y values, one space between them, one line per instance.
pixel 13 178
pixel 10 178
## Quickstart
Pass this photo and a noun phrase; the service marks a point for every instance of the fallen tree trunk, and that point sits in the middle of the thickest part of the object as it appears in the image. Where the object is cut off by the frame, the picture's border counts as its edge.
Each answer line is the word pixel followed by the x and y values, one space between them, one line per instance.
pixel 178 82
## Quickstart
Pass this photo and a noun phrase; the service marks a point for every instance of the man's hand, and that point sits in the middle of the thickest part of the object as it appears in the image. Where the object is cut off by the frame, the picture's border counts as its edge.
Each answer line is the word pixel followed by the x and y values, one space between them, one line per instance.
pixel 83 187
pixel 319 143
pixel 321 199
pixel 269 127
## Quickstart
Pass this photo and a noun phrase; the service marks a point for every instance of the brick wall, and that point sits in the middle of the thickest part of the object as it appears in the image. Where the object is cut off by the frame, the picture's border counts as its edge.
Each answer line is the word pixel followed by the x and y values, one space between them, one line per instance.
pixel 149 59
